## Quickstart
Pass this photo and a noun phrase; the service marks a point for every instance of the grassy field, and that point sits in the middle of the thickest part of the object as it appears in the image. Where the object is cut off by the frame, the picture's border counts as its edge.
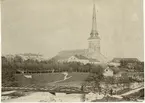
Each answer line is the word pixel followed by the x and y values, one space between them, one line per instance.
pixel 44 79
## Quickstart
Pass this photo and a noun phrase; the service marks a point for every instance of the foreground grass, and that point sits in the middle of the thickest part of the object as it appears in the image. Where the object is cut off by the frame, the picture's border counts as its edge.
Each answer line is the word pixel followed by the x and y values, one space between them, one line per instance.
pixel 44 79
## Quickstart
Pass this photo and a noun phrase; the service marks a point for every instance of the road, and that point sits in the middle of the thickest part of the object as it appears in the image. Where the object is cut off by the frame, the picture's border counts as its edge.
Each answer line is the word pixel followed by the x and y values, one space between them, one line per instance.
pixel 65 78
pixel 127 93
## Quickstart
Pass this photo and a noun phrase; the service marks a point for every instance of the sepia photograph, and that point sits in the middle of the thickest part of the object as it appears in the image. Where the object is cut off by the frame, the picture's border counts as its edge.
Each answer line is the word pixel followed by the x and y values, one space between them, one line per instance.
pixel 72 51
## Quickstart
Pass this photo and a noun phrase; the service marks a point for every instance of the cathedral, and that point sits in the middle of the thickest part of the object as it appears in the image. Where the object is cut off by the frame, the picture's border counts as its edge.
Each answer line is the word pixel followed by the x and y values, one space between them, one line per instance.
pixel 93 51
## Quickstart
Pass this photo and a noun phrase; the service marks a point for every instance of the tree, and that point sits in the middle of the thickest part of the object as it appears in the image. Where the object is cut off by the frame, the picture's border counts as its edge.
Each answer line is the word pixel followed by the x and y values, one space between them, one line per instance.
pixel 8 71
pixel 98 69
pixel 109 80
pixel 18 58
pixel 96 79
pixel 123 63
pixel 139 67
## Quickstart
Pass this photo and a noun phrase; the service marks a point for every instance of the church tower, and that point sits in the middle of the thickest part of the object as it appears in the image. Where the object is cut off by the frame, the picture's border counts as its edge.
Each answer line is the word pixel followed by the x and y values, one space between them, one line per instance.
pixel 94 39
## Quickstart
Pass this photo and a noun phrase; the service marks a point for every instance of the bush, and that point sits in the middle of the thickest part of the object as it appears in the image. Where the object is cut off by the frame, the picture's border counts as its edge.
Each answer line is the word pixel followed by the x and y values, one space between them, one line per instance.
pixel 8 78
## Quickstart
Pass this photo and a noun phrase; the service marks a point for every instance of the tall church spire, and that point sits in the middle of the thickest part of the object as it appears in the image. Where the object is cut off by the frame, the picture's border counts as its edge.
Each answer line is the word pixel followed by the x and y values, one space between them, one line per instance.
pixel 94 40
pixel 94 32
pixel 94 19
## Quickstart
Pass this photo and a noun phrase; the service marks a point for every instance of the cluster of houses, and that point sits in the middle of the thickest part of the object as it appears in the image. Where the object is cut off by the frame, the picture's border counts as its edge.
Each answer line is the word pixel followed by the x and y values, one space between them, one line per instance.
pixel 114 68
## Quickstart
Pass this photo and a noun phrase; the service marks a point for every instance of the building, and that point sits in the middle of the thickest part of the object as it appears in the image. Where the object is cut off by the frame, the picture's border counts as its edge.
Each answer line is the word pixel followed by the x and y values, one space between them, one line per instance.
pixel 78 58
pixel 75 58
pixel 114 64
pixel 26 56
pixel 31 56
pixel 108 72
pixel 128 60
pixel 112 71
pixel 93 51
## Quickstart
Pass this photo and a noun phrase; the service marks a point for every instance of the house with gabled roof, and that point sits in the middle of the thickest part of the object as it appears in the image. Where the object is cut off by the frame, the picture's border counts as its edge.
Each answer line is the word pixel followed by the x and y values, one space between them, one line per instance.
pixel 112 71
pixel 78 58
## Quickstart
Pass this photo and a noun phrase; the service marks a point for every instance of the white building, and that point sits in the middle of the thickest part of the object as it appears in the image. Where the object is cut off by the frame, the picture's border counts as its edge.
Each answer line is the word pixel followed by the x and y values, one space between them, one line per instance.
pixel 108 72
pixel 112 71
pixel 114 64
pixel 78 58
pixel 32 56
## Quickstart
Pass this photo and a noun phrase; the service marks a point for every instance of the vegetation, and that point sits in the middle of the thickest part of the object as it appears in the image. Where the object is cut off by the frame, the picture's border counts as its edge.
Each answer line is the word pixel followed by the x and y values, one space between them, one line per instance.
pixel 96 78
pixel 132 65
pixel 46 66
pixel 8 71
pixel 17 65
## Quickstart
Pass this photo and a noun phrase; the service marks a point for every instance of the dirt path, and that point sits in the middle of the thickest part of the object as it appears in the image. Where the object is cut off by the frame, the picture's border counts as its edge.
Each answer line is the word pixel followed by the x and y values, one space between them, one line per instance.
pixel 132 91
pixel 8 92
pixel 127 93
pixel 65 78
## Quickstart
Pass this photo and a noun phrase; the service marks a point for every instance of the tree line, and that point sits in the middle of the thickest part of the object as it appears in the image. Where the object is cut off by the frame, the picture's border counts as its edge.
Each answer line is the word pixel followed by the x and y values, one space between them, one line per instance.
pixel 29 65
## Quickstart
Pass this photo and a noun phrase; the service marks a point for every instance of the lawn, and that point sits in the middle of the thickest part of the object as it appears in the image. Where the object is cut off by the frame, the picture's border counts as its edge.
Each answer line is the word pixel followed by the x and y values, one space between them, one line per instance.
pixel 44 79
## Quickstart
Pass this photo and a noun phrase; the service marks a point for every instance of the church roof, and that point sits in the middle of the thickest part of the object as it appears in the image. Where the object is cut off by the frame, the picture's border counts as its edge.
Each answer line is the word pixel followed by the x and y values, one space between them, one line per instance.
pixel 80 54
pixel 93 60
pixel 81 57
pixel 68 53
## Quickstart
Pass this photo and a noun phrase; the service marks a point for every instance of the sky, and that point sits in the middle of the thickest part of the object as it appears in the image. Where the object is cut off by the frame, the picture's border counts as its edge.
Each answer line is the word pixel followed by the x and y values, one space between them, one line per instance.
pixel 49 26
